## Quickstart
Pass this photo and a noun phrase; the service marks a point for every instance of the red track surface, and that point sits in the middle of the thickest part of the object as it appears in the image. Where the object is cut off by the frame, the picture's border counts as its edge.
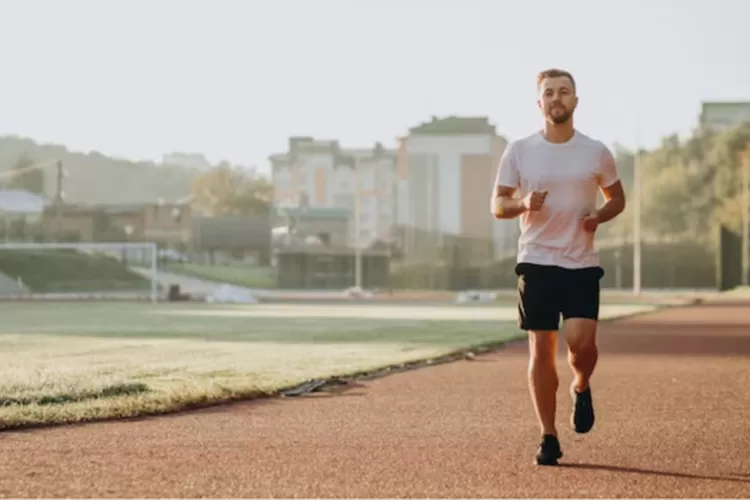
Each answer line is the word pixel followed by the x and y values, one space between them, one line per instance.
pixel 672 392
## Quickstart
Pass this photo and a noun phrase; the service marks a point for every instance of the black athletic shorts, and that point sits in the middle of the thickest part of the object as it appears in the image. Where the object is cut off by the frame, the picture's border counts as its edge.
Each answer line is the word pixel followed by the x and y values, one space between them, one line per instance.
pixel 546 292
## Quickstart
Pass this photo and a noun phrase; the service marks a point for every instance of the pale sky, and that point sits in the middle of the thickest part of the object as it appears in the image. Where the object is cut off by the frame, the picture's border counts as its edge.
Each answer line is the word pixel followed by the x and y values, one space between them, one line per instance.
pixel 235 78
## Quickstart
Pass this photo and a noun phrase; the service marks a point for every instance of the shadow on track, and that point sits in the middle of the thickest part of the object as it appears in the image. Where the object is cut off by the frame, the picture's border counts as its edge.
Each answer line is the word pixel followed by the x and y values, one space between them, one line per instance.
pixel 633 470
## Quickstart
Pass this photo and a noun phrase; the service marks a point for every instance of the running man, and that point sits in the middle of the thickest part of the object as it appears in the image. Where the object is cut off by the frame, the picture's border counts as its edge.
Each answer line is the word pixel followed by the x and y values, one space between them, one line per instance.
pixel 558 173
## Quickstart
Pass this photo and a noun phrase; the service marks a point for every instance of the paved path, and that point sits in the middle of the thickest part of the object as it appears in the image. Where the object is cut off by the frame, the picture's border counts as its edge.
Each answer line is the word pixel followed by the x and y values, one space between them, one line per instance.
pixel 671 392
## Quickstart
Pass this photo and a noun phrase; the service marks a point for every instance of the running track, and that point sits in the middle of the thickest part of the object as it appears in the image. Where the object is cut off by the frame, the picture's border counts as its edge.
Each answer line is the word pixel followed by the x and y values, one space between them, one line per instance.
pixel 673 400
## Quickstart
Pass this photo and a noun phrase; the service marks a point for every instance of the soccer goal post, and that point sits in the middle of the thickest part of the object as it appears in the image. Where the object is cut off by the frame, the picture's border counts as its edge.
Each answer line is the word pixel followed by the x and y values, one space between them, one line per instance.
pixel 85 270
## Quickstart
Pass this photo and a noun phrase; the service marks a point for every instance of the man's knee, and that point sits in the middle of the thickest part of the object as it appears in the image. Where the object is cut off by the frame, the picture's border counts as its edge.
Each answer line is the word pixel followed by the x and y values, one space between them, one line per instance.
pixel 580 334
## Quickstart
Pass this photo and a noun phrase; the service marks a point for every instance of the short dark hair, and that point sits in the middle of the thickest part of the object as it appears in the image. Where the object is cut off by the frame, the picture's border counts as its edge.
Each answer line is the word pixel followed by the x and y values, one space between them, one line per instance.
pixel 554 73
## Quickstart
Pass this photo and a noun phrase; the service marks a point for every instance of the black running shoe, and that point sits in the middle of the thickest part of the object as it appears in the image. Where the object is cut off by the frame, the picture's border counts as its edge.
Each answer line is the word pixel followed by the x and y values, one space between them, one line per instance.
pixel 583 412
pixel 549 451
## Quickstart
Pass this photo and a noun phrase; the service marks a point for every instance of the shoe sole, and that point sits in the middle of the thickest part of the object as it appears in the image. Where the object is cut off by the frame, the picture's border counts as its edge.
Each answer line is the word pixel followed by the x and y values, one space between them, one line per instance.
pixel 551 461
pixel 580 430
pixel 576 428
pixel 546 463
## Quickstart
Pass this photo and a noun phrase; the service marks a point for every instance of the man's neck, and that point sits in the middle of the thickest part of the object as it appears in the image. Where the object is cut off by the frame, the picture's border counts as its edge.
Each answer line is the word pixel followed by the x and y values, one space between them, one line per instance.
pixel 559 133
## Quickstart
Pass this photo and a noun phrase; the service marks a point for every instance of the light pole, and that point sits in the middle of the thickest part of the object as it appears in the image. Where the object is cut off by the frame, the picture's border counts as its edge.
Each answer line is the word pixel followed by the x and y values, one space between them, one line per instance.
pixel 59 199
pixel 745 166
pixel 637 222
pixel 637 244
pixel 357 249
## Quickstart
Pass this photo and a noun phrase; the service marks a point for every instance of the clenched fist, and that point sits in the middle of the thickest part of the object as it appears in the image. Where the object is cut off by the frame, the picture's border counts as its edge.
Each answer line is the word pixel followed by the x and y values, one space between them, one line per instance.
pixel 590 222
pixel 534 200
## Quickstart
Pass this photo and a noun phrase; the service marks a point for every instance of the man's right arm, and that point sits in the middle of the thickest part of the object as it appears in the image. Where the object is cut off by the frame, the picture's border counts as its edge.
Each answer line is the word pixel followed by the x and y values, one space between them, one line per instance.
pixel 505 206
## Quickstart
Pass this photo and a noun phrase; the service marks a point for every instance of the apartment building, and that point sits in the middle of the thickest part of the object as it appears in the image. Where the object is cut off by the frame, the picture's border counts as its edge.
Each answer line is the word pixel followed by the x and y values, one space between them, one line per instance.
pixel 321 174
pixel 446 169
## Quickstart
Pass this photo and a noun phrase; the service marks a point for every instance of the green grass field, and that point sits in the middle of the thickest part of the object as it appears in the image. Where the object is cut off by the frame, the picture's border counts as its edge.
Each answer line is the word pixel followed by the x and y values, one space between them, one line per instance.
pixel 69 362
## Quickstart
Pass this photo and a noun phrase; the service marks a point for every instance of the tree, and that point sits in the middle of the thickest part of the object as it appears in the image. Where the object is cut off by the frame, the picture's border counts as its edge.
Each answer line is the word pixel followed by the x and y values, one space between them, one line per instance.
pixel 229 190
pixel 691 186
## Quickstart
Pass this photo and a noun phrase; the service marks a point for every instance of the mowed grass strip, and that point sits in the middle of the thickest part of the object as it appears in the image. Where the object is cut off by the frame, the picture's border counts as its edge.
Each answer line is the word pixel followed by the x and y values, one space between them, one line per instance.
pixel 80 362
pixel 76 362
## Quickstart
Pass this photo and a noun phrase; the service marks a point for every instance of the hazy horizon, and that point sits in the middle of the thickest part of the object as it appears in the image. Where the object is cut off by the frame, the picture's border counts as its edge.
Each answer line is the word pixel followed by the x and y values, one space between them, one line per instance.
pixel 234 79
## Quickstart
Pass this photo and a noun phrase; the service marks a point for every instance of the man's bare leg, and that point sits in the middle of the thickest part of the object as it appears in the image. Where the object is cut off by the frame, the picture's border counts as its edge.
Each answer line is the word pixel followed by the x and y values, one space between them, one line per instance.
pixel 543 380
pixel 583 354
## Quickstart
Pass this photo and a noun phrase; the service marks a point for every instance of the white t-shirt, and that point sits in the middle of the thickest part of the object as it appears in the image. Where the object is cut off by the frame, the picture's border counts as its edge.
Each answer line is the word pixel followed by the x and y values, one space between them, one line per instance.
pixel 572 173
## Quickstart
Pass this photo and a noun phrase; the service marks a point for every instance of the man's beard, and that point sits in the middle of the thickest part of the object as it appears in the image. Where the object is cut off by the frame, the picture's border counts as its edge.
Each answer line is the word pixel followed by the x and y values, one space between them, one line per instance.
pixel 559 119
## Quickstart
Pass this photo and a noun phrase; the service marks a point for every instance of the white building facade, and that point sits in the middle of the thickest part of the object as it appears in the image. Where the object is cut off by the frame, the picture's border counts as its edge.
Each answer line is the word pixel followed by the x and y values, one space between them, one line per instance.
pixel 446 172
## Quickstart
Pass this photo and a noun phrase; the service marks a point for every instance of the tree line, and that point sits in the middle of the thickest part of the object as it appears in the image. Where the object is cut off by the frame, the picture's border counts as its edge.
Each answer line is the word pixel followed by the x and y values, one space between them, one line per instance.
pixel 96 179
pixel 688 186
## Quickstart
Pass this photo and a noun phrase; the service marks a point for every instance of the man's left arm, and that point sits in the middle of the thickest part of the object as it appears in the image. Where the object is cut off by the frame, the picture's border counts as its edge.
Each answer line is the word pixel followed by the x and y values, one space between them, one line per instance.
pixel 611 187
